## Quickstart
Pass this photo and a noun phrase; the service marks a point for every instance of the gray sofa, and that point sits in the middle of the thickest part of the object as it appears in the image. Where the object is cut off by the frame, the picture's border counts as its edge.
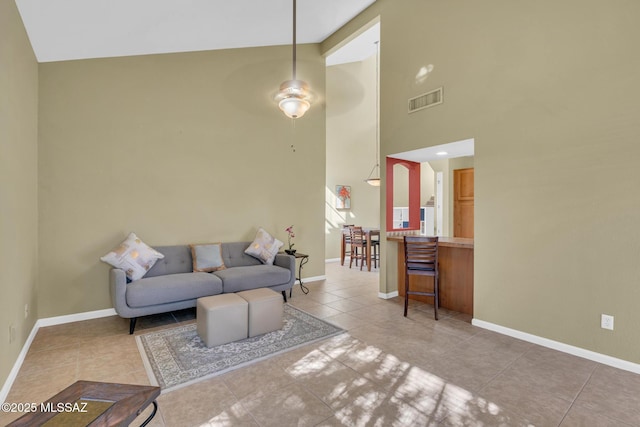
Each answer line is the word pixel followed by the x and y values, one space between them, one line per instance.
pixel 171 284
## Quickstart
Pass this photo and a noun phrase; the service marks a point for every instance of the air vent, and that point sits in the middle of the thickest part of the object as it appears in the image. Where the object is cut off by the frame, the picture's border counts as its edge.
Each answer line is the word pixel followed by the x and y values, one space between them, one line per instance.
pixel 425 100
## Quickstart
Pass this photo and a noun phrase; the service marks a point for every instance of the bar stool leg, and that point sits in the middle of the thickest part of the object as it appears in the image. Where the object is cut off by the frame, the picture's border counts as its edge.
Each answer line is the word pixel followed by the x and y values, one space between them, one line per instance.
pixel 406 294
pixel 436 302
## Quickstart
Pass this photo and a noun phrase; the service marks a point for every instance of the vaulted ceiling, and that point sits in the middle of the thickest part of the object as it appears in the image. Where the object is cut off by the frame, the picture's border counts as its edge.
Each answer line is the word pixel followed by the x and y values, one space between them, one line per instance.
pixel 62 30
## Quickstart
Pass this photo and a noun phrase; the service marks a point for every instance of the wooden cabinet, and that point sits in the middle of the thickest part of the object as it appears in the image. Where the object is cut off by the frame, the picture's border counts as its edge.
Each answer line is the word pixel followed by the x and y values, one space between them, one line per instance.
pixel 463 202
pixel 427 219
pixel 400 217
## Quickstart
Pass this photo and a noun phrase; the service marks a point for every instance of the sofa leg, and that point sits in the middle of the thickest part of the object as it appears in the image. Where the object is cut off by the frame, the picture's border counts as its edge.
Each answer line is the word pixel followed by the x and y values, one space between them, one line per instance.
pixel 284 295
pixel 132 325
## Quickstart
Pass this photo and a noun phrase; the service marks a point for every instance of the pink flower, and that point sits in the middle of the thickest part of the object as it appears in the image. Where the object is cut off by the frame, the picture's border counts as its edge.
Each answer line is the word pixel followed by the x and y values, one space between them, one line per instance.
pixel 291 235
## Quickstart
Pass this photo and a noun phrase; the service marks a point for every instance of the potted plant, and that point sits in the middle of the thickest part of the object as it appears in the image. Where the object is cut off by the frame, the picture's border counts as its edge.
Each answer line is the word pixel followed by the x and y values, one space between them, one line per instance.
pixel 290 236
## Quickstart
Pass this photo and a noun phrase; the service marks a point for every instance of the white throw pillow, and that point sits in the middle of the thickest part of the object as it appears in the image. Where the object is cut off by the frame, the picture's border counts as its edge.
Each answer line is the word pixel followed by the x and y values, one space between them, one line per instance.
pixel 264 247
pixel 133 256
pixel 207 257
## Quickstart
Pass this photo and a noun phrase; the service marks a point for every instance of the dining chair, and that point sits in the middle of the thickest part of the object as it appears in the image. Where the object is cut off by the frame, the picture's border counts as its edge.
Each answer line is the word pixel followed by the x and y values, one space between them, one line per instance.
pixel 346 237
pixel 421 259
pixel 358 241
pixel 375 250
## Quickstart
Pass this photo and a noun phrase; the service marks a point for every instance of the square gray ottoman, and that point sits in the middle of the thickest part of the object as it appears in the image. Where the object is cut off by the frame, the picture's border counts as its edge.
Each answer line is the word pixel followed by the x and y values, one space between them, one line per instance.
pixel 265 310
pixel 222 319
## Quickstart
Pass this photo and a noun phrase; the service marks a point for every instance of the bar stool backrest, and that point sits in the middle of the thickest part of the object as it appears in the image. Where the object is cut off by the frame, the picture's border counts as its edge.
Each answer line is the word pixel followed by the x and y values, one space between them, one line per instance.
pixel 421 255
pixel 421 258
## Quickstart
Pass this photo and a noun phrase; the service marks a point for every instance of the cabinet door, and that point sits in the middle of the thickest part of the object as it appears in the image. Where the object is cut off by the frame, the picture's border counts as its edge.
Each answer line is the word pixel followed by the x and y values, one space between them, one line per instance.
pixel 463 202
pixel 400 217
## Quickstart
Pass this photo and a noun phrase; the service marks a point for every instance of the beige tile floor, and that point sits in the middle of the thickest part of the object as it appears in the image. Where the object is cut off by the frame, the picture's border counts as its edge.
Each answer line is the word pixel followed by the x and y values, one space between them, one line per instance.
pixel 386 371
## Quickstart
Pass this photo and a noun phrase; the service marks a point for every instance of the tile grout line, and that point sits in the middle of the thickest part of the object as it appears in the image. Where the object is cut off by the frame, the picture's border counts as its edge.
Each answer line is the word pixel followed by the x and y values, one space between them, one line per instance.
pixel 238 400
pixel 577 395
pixel 507 366
pixel 597 365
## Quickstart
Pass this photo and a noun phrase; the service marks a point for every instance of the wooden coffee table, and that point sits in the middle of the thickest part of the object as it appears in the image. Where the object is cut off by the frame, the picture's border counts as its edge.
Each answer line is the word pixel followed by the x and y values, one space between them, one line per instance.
pixel 88 403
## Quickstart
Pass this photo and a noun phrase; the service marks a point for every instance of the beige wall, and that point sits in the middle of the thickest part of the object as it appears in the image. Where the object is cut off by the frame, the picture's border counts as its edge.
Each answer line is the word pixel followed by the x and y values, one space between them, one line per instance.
pixel 178 148
pixel 351 148
pixel 18 185
pixel 549 91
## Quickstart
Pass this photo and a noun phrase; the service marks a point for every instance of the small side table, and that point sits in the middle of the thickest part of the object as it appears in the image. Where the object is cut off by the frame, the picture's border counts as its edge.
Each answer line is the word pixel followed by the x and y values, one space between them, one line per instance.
pixel 304 258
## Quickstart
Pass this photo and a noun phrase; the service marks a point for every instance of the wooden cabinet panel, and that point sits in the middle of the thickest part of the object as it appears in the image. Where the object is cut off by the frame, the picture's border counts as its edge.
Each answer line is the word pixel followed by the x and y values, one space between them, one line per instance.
pixel 463 202
pixel 456 279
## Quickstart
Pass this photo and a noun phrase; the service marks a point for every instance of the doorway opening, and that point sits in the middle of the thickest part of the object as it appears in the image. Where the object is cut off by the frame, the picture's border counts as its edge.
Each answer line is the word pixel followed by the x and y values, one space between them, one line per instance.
pixel 437 188
pixel 351 134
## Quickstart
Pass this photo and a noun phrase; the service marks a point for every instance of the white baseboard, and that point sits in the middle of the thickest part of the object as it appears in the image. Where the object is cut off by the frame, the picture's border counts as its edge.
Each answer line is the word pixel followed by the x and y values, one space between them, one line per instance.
pixel 331 260
pixel 13 374
pixel 388 296
pixel 40 323
pixel 59 320
pixel 311 279
pixel 556 345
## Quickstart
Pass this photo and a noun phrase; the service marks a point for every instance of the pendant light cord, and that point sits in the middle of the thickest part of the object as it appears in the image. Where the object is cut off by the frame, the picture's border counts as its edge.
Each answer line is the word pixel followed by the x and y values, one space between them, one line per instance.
pixel 377 104
pixel 377 162
pixel 294 39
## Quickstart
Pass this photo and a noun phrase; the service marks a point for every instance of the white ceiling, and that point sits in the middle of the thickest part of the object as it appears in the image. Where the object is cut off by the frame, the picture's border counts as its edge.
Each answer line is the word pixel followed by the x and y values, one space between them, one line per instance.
pixel 445 151
pixel 62 30
pixel 358 49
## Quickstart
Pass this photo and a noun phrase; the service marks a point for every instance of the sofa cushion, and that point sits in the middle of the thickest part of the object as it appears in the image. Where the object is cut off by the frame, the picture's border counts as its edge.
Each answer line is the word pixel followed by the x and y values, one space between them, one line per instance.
pixel 172 288
pixel 264 247
pixel 177 259
pixel 233 255
pixel 133 256
pixel 238 279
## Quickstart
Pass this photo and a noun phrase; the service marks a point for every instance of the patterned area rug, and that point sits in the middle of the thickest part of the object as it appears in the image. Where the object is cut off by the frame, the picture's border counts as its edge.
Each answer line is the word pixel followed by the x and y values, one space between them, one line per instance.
pixel 177 357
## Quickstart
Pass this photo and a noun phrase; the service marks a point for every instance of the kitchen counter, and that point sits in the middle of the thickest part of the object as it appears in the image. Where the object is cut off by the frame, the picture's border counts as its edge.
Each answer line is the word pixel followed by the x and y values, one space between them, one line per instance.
pixel 455 264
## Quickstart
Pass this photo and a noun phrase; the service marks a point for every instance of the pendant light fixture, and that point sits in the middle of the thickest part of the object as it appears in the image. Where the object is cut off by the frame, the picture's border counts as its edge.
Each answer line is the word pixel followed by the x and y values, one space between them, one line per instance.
pixel 294 95
pixel 374 179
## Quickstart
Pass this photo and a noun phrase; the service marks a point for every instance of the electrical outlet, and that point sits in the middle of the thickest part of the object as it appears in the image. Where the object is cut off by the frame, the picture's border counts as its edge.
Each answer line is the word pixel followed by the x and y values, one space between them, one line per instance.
pixel 26 311
pixel 606 322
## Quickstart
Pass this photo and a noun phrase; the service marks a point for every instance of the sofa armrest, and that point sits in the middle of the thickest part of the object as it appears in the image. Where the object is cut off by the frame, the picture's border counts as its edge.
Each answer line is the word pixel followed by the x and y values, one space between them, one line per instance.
pixel 118 289
pixel 287 261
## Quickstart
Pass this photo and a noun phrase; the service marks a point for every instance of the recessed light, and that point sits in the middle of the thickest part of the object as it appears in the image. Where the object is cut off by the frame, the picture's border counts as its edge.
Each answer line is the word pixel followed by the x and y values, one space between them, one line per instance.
pixel 441 153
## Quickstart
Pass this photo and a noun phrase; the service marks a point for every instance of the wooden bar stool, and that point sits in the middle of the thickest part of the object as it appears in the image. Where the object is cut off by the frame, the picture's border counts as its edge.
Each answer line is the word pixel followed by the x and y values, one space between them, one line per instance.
pixel 421 259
